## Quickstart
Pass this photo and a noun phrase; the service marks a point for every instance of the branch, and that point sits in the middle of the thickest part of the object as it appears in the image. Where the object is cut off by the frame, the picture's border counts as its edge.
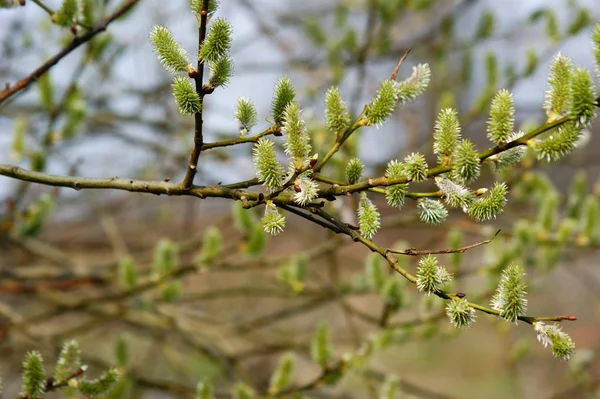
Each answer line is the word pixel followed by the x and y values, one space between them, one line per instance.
pixel 384 181
pixel 188 180
pixel 240 140
pixel 415 252
pixel 157 187
pixel 385 253
pixel 76 42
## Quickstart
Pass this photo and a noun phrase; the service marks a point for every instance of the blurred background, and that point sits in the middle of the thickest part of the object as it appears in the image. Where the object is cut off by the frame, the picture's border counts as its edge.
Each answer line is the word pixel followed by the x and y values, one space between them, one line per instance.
pixel 68 259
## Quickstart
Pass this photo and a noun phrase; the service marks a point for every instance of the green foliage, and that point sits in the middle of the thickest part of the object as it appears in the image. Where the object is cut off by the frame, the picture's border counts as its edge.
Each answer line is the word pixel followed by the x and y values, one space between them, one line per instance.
pixel 583 97
pixel 100 386
pixel 374 272
pixel 243 391
pixel 204 390
pixel 490 204
pixel 127 273
pixel 321 348
pixel 282 376
pixel 217 42
pixel 67 13
pixel 486 25
pixel 509 158
pixel 562 345
pixel 410 88
pixel 196 7
pixel 246 115
pixel 306 190
pixel 455 195
pixel 297 140
pixel 558 96
pixel 430 275
pixel 19 147
pixel 35 216
pixel 221 71
pixel 186 97
pixel 273 222
pixel 368 217
pixel 46 90
pixel 212 246
pixel 596 48
pixel 34 378
pixel 415 167
pixel 393 293
pixel 337 117
pixel 389 388
pixel 502 117
pixel 509 298
pixel 243 218
pixel 354 170
pixel 589 219
pixel 257 240
pixel 446 133
pixel 559 144
pixel 431 211
pixel 465 159
pixel 284 94
pixel 396 193
pixel 552 26
pixel 122 352
pixel 268 169
pixel 165 258
pixel 383 104
pixel 460 313
pixel 170 53
pixel 294 273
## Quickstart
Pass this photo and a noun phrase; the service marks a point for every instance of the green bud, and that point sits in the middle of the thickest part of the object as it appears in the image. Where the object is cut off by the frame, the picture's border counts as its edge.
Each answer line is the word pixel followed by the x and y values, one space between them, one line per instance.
pixel 509 298
pixel 170 53
pixel 466 162
pixel 186 97
pixel 460 313
pixel 268 169
pixel 127 272
pixel 33 377
pixel 283 95
pixel 282 376
pixel 368 217
pixel 321 349
pixel 217 42
pixel 431 211
pixel 273 222
pixel 246 115
pixel 502 117
pixel 354 170
pixel 337 117
pixel 212 245
pixel 69 361
pixel 165 258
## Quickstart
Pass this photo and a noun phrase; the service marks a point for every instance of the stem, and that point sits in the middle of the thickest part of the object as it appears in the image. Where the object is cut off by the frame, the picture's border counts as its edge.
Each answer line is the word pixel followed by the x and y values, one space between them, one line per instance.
pixel 188 180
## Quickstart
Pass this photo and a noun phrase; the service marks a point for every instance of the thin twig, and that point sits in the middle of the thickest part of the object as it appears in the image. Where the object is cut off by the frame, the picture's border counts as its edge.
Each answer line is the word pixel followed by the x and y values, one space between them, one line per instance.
pixel 416 252
pixel 76 42
pixel 400 61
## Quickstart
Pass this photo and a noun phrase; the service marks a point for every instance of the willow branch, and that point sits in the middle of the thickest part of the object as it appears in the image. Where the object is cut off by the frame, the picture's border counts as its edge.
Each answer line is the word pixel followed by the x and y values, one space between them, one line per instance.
pixel 416 252
pixel 188 180
pixel 385 253
pixel 75 43
pixel 240 140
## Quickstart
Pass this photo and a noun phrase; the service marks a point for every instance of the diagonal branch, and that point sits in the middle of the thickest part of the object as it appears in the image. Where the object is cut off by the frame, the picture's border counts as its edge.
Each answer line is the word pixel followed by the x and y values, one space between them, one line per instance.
pixel 9 91
pixel 416 252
